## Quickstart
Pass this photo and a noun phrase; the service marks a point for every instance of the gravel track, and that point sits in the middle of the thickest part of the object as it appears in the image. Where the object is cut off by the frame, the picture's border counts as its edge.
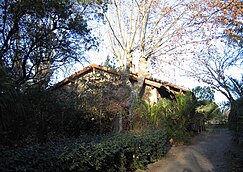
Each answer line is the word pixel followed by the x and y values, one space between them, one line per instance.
pixel 209 152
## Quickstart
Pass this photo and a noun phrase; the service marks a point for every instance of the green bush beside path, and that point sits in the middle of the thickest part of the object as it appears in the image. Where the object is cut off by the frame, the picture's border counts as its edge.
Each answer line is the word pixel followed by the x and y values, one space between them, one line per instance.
pixel 120 152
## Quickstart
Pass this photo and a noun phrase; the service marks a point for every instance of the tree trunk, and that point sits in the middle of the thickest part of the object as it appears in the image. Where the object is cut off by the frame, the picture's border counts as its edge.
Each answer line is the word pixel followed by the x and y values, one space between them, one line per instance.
pixel 137 87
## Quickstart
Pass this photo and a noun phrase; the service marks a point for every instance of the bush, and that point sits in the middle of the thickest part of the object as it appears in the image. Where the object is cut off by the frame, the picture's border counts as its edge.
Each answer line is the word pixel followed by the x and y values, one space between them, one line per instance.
pixel 120 152
pixel 39 116
pixel 236 120
pixel 173 116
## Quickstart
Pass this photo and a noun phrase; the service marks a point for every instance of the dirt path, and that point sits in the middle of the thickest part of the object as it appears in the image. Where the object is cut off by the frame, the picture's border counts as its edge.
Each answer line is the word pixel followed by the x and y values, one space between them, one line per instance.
pixel 208 153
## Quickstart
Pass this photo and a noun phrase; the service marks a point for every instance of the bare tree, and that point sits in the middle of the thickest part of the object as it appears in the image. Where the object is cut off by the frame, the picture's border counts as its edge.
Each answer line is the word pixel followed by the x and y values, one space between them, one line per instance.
pixel 223 49
pixel 150 31
pixel 212 67
pixel 228 14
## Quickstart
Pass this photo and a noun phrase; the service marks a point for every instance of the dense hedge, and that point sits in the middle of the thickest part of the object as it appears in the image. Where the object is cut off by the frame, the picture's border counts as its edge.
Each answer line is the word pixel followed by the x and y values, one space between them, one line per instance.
pixel 39 116
pixel 121 152
pixel 236 120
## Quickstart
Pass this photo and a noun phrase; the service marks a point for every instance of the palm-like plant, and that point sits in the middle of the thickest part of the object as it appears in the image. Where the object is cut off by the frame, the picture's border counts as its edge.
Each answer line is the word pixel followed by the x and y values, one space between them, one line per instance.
pixel 208 110
pixel 172 116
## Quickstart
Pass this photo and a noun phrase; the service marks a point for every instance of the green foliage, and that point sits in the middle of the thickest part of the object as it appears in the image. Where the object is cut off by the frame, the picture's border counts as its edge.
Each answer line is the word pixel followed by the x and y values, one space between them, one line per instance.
pixel 11 109
pixel 236 87
pixel 236 111
pixel 208 110
pixel 37 116
pixel 175 117
pixel 38 38
pixel 236 120
pixel 110 62
pixel 122 152
pixel 40 116
pixel 204 93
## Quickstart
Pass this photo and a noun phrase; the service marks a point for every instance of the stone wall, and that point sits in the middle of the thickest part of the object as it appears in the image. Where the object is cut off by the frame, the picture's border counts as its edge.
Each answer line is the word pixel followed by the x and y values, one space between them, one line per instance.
pixel 150 94
pixel 106 85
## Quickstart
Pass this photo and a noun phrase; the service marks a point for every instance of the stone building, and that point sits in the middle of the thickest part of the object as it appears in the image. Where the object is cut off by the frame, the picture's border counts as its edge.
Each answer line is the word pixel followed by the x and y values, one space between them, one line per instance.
pixel 95 77
pixel 102 90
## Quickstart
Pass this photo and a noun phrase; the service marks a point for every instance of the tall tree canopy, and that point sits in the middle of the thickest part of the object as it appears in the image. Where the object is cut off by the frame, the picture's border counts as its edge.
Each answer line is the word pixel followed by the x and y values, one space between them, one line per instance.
pixel 155 29
pixel 223 51
pixel 204 93
pixel 151 32
pixel 229 14
pixel 37 37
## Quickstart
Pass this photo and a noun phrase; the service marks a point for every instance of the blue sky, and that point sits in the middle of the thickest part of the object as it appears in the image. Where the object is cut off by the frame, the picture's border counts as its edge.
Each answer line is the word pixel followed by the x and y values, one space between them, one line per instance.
pixel 99 57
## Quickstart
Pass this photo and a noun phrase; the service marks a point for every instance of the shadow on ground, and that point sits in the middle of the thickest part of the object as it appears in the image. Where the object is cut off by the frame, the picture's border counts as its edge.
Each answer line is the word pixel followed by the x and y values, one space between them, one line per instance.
pixel 209 152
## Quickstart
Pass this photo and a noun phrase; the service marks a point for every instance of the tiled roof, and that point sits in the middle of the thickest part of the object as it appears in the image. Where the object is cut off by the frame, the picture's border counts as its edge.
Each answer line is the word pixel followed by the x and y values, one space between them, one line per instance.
pixel 133 76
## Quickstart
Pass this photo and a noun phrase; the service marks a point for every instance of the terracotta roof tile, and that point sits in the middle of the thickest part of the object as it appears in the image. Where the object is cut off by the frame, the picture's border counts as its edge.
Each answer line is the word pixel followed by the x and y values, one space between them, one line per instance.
pixel 148 80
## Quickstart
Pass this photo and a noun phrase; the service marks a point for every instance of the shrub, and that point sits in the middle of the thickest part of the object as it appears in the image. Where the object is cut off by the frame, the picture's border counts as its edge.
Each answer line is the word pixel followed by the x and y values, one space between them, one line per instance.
pixel 121 152
pixel 236 120
pixel 39 116
pixel 172 116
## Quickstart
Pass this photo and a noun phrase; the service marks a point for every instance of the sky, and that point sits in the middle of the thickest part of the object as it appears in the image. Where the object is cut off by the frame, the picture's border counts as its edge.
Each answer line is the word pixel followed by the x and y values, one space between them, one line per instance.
pixel 104 50
pixel 184 81
pixel 99 57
